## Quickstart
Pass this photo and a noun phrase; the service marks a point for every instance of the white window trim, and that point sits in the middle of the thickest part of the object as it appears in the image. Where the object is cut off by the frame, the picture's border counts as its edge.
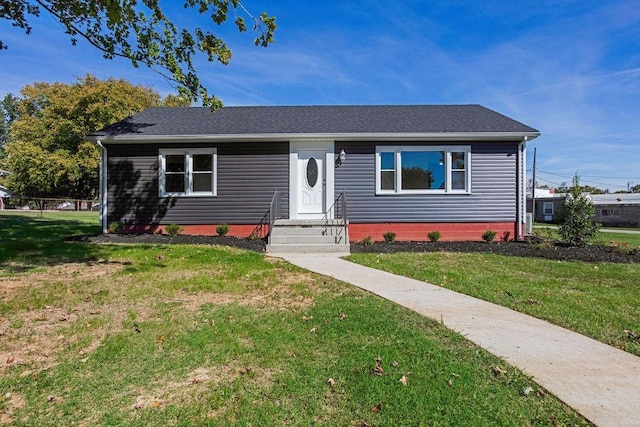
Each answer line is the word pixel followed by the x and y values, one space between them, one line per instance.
pixel 189 153
pixel 545 205
pixel 448 149
pixel 610 212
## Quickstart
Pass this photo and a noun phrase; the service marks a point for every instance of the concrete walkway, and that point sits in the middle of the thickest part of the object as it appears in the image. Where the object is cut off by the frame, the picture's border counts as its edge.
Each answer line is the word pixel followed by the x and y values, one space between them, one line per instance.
pixel 599 381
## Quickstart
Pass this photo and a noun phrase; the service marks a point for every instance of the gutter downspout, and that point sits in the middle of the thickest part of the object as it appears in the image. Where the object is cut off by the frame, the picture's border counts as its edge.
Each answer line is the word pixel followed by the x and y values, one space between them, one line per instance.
pixel 522 187
pixel 103 187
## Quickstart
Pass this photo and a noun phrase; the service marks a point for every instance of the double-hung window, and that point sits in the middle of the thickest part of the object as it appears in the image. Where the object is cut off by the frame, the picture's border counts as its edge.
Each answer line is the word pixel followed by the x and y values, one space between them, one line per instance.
pixel 188 172
pixel 423 169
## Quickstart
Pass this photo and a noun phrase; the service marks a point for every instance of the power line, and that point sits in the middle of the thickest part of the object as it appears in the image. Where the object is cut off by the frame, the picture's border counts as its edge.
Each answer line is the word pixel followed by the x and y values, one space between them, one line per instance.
pixel 606 184
pixel 588 176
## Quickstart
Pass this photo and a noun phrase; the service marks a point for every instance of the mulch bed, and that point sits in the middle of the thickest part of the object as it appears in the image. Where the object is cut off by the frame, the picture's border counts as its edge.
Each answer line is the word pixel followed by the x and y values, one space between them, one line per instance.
pixel 182 239
pixel 530 248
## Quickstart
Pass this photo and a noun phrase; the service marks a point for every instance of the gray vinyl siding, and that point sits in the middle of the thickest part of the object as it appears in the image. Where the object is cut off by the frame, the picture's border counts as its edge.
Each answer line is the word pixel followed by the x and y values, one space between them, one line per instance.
pixel 247 174
pixel 492 198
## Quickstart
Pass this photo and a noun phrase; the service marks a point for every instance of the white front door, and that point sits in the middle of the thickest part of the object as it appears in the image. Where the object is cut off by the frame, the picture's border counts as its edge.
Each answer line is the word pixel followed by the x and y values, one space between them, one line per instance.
pixel 311 183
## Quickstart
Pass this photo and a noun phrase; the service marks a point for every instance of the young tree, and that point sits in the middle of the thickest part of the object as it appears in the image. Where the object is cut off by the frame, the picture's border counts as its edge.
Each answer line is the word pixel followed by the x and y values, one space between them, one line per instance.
pixel 46 151
pixel 141 32
pixel 577 226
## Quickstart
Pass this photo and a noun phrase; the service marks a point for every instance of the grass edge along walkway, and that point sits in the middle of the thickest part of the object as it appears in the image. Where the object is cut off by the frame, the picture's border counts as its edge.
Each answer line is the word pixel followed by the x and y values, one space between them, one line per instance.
pixel 599 381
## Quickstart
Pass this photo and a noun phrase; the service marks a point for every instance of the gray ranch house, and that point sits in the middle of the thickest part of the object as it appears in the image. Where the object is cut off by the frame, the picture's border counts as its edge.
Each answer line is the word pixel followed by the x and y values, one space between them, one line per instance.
pixel 409 169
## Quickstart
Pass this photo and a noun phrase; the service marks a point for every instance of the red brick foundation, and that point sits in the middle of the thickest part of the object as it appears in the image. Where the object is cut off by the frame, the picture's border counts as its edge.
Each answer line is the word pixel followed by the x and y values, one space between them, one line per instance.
pixel 418 231
pixel 357 232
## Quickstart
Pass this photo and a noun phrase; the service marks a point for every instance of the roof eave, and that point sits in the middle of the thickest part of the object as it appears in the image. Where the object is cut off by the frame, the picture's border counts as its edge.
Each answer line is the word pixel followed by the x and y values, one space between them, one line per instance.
pixel 272 137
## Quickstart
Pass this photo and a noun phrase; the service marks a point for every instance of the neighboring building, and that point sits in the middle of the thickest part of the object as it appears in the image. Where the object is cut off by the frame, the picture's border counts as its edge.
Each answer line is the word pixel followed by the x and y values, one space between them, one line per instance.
pixel 613 210
pixel 459 169
pixel 4 192
pixel 617 210
pixel 548 205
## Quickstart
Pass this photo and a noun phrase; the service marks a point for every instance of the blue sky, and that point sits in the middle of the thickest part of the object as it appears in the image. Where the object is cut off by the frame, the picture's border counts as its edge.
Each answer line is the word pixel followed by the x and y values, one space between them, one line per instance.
pixel 571 69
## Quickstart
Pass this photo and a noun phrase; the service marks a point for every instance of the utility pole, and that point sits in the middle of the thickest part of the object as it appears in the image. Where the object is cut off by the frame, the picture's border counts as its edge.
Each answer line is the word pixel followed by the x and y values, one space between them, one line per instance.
pixel 629 186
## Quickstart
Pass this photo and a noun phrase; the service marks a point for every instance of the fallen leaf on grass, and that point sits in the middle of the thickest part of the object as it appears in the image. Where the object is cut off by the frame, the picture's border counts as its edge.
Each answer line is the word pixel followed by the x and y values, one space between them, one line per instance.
pixel 554 421
pixel 156 404
pixel 403 380
pixel 307 318
pixel 394 364
pixel 51 398
pixel 497 370
pixel 331 382
pixel 527 391
pixel 10 360
pixel 376 409
pixel 342 316
pixel 450 382
pixel 160 339
pixel 160 257
pixel 632 335
pixel 365 424
pixel 313 330
pixel 378 368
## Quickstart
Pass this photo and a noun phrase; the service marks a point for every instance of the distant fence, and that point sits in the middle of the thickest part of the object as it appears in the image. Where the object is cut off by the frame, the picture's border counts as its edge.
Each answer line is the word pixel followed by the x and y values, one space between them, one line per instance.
pixel 46 204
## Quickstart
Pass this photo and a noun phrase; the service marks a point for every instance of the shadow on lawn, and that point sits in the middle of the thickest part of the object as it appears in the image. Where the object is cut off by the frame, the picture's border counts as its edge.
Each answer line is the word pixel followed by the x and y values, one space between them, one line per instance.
pixel 27 242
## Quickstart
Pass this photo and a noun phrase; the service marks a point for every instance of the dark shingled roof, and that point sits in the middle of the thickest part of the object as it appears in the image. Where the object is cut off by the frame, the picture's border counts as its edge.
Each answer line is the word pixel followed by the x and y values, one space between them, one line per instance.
pixel 314 120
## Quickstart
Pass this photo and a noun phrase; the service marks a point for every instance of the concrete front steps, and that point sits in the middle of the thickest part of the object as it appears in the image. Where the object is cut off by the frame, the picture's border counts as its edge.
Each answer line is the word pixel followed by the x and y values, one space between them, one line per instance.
pixel 308 236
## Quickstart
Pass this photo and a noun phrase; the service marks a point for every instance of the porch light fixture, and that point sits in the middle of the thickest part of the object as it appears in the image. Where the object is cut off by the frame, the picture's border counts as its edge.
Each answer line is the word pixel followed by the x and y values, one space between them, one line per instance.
pixel 341 158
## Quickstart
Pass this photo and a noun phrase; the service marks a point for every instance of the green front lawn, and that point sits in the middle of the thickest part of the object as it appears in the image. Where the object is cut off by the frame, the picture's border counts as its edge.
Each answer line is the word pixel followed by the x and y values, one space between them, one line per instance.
pixel 597 300
pixel 200 335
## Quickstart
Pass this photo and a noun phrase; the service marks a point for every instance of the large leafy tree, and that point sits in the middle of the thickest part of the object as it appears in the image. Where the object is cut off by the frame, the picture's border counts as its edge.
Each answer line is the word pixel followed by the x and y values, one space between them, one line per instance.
pixel 141 32
pixel 8 113
pixel 46 150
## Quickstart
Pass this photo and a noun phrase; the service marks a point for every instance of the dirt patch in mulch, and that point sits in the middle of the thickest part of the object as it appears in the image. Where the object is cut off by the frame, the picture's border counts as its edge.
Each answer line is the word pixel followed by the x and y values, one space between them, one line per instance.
pixel 532 247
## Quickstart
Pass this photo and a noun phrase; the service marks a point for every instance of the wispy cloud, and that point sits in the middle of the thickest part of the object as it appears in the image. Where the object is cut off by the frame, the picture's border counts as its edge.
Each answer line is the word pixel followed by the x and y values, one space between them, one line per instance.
pixel 570 68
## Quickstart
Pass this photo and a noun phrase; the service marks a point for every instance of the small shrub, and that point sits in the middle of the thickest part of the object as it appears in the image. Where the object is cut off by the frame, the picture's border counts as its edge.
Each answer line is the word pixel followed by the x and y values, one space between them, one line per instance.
pixel 433 236
pixel 222 229
pixel 622 247
pixel 254 236
pixel 489 235
pixel 389 236
pixel 116 227
pixel 577 227
pixel 367 240
pixel 173 230
pixel 544 245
